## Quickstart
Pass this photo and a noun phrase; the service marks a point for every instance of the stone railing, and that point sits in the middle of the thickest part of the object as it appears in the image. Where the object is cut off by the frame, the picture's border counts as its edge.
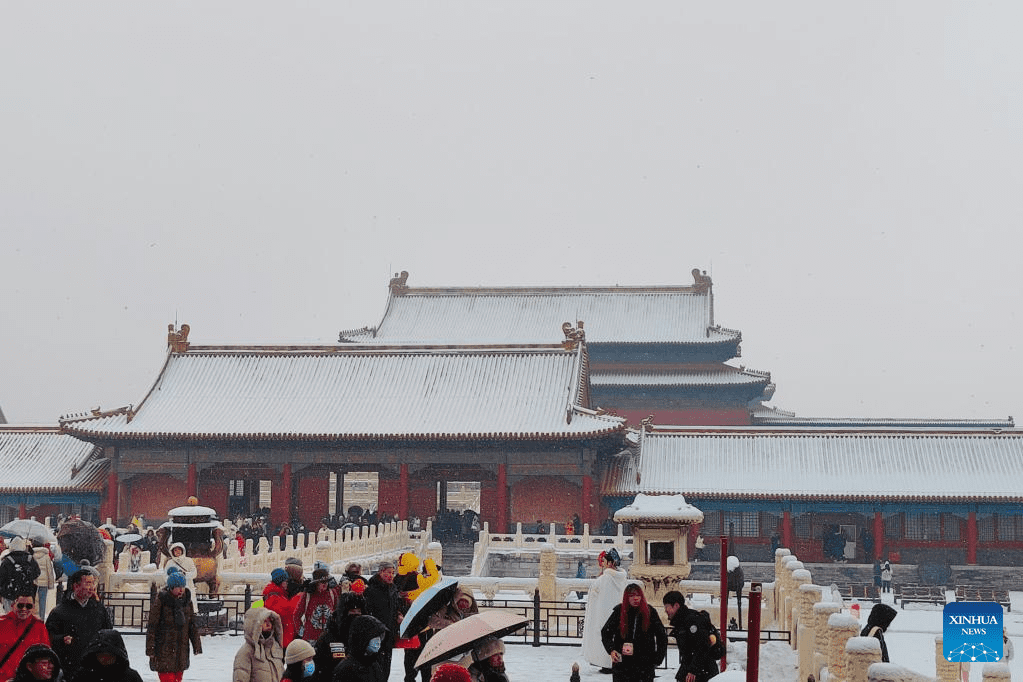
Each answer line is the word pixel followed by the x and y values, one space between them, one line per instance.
pixel 582 543
pixel 827 636
pixel 335 548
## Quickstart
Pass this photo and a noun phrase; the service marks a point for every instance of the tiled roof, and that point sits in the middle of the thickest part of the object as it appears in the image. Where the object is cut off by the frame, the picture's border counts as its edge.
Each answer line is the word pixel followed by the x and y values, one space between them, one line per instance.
pixel 766 418
pixel 622 315
pixel 361 393
pixel 812 463
pixel 43 460
pixel 710 375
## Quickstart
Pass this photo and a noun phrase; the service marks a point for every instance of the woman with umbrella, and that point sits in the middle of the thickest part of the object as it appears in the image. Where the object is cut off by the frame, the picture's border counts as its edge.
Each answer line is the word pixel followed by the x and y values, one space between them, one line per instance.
pixel 634 637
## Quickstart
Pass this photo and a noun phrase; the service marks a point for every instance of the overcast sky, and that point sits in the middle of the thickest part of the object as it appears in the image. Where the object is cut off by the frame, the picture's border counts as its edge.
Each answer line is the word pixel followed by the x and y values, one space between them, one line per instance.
pixel 848 173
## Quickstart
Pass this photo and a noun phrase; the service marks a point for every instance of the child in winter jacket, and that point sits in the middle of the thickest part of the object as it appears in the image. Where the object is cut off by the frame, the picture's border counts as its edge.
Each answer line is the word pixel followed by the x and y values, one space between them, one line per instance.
pixel 261 657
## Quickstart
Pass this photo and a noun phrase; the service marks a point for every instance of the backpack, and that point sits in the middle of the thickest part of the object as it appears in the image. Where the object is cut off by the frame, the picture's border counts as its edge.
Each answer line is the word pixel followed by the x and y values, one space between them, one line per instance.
pixel 718 649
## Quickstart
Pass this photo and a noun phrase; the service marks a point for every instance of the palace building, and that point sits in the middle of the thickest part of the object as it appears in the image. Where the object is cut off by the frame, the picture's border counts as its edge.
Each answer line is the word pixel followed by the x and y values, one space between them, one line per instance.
pixel 550 402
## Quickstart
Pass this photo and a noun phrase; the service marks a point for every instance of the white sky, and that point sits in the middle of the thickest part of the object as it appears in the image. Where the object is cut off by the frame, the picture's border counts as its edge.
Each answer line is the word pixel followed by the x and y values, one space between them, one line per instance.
pixel 849 175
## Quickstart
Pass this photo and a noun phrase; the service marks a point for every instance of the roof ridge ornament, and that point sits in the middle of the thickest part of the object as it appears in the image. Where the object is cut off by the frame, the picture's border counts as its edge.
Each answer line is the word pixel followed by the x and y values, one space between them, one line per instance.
pixel 398 283
pixel 573 335
pixel 177 341
pixel 701 281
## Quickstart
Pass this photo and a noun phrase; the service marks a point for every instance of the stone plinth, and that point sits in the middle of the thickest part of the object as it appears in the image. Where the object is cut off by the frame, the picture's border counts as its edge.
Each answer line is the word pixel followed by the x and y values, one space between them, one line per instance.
pixel 995 672
pixel 947 670
pixel 841 628
pixel 860 654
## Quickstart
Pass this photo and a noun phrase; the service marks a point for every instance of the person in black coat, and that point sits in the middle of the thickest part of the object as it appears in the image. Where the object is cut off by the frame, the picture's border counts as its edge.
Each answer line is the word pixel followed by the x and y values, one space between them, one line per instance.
pixel 33 665
pixel 634 637
pixel 74 622
pixel 384 604
pixel 692 631
pixel 18 572
pixel 881 616
pixel 331 647
pixel 106 660
pixel 365 660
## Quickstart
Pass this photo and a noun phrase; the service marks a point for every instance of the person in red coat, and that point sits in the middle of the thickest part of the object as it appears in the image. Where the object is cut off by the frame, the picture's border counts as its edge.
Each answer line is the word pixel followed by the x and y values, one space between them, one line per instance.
pixel 19 629
pixel 275 598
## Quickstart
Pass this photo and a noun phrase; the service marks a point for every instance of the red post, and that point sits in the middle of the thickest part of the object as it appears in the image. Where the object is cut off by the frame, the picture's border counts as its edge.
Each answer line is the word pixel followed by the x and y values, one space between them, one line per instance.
pixel 724 597
pixel 589 504
pixel 403 492
pixel 191 484
pixel 786 531
pixel 878 536
pixel 753 633
pixel 971 538
pixel 113 497
pixel 502 498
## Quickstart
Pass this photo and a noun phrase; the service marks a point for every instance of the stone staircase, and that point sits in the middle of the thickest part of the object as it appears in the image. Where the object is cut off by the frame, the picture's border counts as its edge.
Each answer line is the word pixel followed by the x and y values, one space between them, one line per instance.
pixel 457 559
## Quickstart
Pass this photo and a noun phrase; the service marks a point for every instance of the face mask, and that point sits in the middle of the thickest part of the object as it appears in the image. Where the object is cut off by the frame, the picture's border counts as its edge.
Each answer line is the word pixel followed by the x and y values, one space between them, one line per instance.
pixel 373 646
pixel 309 669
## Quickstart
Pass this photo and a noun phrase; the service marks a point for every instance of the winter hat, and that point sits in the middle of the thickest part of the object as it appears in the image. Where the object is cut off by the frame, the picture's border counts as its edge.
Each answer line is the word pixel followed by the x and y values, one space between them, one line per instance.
pixel 292 561
pixel 175 580
pixel 298 651
pixel 385 565
pixel 320 575
pixel 278 576
pixel 294 571
pixel 173 569
pixel 487 648
pixel 613 557
pixel 450 672
pixel 321 564
pixel 17 544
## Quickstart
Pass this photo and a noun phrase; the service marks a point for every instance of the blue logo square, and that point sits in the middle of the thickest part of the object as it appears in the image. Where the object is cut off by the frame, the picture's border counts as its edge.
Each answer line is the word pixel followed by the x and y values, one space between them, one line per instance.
pixel 972 631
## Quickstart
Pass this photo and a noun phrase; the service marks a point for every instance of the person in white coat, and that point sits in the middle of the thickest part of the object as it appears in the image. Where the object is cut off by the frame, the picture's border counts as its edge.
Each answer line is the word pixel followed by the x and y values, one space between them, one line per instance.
pixel 605 594
pixel 47 579
pixel 180 560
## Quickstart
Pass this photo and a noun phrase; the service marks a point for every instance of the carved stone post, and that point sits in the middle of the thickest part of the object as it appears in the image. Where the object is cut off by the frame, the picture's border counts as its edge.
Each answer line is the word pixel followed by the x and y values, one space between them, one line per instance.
pixel 995 672
pixel 548 579
pixel 841 628
pixel 947 671
pixel 808 595
pixel 822 635
pixel 860 654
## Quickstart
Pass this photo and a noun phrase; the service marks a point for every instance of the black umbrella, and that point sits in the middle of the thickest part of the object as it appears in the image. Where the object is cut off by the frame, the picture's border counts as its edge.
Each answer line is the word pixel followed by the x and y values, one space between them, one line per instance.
pixel 426 604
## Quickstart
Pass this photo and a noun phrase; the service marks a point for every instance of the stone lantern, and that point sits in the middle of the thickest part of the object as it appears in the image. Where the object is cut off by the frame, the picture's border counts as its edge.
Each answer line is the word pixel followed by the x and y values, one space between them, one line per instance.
pixel 660 533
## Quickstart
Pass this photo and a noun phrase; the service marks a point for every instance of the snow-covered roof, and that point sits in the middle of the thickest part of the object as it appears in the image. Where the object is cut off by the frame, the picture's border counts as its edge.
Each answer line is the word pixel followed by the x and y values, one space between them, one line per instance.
pixel 192 510
pixel 702 375
pixel 515 315
pixel 361 393
pixel 659 508
pixel 44 460
pixel 811 463
pixel 779 418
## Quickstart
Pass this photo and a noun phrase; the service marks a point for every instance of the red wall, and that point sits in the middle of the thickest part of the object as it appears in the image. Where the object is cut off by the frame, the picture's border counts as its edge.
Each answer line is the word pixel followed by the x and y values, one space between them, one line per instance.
pixel 154 495
pixel 545 497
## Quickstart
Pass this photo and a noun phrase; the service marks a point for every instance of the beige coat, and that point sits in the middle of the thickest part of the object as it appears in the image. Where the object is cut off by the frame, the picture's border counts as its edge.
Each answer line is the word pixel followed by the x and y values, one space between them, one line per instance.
pixel 47 576
pixel 260 660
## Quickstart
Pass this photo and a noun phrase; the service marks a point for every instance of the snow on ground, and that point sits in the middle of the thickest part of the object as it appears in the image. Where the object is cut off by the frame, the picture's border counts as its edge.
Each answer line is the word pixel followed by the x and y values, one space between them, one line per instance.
pixel 910 643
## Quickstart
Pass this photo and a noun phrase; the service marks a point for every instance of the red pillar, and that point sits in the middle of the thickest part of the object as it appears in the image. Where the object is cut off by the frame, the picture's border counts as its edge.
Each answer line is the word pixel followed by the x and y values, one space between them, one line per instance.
pixel 786 530
pixel 22 511
pixel 878 536
pixel 589 504
pixel 192 485
pixel 109 509
pixel 280 507
pixel 403 492
pixel 502 499
pixel 971 538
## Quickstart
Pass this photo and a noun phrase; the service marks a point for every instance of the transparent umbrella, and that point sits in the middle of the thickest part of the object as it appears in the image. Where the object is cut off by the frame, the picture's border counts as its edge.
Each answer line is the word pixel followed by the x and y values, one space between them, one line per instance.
pixel 29 529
